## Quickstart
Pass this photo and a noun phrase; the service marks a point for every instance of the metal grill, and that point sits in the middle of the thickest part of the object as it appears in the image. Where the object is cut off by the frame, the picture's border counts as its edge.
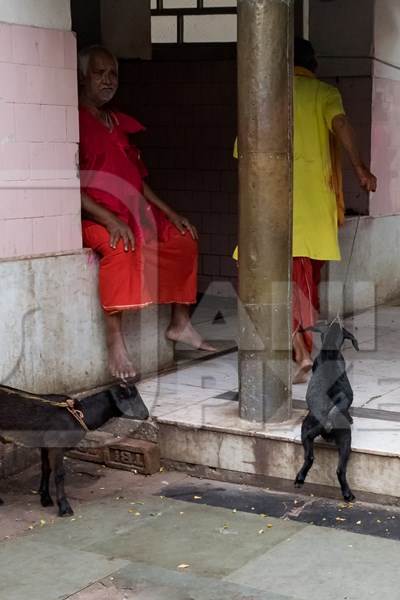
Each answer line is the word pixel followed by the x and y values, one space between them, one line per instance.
pixel 181 13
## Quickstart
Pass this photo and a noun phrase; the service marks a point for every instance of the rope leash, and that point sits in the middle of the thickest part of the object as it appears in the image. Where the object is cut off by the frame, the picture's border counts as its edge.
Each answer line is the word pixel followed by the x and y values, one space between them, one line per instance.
pixel 338 317
pixel 351 252
pixel 68 404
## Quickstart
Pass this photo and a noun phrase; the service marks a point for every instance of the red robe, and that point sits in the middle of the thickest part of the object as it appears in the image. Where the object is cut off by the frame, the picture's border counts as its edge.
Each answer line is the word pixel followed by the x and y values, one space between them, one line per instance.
pixel 306 277
pixel 163 267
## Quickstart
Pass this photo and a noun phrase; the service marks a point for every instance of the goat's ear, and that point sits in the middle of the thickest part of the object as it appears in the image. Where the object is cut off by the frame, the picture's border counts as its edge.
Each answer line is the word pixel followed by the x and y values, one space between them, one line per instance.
pixel 349 336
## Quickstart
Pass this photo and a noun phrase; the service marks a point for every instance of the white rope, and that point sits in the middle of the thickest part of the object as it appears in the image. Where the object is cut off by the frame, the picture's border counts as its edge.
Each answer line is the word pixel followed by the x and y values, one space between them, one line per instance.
pixel 351 252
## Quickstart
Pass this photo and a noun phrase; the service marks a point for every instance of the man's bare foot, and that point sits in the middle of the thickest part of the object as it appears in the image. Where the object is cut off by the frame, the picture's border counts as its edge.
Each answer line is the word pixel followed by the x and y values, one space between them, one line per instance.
pixel 304 369
pixel 119 362
pixel 189 336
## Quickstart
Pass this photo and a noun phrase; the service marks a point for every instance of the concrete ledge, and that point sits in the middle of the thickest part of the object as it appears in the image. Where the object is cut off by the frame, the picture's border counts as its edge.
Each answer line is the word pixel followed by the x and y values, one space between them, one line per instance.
pixel 256 455
pixel 274 484
pixel 51 326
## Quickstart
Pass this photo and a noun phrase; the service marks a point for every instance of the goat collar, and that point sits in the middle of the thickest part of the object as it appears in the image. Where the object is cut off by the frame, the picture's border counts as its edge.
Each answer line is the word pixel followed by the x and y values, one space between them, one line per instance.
pixel 77 414
pixel 69 404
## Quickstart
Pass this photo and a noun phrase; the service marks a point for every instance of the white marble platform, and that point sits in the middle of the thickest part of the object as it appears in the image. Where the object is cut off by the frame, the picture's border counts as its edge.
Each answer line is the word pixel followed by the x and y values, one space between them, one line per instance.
pixel 199 427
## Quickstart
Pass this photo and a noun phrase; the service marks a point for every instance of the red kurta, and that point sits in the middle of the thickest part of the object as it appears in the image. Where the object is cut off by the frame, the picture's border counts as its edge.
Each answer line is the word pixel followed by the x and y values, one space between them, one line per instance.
pixel 163 267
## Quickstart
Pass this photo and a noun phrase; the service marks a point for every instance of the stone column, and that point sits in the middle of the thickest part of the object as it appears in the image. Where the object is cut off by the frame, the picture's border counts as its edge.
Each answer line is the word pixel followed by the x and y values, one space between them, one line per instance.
pixel 265 198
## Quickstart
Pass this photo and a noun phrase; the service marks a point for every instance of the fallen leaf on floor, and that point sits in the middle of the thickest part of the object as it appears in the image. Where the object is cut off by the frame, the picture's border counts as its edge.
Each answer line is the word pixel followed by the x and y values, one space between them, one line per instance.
pixel 42 522
pixel 183 566
pixel 227 531
pixel 269 525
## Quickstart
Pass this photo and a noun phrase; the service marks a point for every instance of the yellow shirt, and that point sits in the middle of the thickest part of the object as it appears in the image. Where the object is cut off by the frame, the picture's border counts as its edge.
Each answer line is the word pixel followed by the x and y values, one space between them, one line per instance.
pixel 315 217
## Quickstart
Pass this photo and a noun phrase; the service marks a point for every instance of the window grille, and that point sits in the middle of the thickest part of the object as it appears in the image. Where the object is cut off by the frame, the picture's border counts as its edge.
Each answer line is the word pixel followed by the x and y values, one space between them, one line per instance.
pixel 193 21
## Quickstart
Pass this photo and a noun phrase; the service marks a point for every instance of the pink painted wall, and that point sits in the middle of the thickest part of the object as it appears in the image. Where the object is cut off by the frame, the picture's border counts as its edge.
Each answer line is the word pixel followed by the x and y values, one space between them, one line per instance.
pixel 39 134
pixel 385 146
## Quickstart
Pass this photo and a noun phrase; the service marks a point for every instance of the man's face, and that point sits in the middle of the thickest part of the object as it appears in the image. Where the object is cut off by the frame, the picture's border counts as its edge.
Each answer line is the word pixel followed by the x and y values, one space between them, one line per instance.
pixel 101 81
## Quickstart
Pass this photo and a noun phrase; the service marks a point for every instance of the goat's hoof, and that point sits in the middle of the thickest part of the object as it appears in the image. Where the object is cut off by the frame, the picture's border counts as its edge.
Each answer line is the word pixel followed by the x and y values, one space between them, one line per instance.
pixel 46 501
pixel 349 497
pixel 299 483
pixel 65 510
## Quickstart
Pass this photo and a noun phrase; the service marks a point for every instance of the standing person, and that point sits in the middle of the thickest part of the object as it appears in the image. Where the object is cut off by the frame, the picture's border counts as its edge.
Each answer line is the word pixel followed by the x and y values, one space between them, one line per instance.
pixel 320 126
pixel 148 253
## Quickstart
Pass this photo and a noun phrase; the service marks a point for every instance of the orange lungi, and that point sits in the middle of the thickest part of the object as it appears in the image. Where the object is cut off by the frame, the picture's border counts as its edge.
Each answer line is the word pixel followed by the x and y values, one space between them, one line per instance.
pixel 306 276
pixel 156 272
pixel 163 267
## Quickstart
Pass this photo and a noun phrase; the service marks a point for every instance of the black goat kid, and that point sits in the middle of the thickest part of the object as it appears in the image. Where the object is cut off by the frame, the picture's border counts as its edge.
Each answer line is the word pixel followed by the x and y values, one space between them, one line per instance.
pixel 329 397
pixel 39 422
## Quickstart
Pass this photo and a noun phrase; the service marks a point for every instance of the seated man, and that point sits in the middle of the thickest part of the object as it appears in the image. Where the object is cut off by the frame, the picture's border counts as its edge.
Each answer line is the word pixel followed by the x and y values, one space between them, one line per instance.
pixel 148 252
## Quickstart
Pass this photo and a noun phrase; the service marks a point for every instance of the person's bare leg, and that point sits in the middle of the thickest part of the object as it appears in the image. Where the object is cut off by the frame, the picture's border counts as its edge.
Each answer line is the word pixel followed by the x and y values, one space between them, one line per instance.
pixel 181 329
pixel 302 357
pixel 119 362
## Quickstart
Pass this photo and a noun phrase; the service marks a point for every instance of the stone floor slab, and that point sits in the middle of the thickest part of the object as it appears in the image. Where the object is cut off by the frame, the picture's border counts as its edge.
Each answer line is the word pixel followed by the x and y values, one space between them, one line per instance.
pixel 156 583
pixel 337 564
pixel 212 541
pixel 38 571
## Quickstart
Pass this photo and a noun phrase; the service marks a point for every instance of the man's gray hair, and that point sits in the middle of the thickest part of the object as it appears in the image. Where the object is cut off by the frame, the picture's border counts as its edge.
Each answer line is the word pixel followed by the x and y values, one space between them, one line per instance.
pixel 86 54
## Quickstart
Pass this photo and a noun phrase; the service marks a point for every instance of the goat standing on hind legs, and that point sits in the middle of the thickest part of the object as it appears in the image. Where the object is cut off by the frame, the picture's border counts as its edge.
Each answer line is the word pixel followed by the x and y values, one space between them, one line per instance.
pixel 329 398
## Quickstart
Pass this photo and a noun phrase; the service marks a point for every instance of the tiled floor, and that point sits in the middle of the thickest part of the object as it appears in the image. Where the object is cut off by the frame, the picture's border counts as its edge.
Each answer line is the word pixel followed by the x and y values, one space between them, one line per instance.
pixel 174 537
pixel 202 394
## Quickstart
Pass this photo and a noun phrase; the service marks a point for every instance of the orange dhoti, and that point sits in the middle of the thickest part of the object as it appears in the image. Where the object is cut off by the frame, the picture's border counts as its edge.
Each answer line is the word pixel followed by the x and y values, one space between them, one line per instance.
pixel 156 272
pixel 306 278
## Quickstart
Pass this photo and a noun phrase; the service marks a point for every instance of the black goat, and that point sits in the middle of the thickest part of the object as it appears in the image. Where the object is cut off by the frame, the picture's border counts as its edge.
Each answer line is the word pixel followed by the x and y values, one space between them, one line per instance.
pixel 45 422
pixel 329 397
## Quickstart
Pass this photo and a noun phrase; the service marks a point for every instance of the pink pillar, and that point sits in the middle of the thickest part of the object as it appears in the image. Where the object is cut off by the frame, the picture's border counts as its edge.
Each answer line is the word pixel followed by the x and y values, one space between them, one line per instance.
pixel 39 134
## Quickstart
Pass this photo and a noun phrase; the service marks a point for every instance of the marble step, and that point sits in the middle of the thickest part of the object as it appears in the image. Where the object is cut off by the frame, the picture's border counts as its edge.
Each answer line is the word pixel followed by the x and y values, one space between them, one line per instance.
pixel 209 439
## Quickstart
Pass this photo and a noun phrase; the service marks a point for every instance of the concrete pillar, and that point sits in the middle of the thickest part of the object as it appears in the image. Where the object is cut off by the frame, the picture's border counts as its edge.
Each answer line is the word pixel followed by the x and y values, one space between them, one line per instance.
pixel 265 192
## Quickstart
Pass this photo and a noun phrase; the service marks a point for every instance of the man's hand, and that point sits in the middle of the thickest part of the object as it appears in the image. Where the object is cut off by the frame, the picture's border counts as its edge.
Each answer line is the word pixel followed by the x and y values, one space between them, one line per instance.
pixel 367 180
pixel 344 131
pixel 183 225
pixel 120 230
